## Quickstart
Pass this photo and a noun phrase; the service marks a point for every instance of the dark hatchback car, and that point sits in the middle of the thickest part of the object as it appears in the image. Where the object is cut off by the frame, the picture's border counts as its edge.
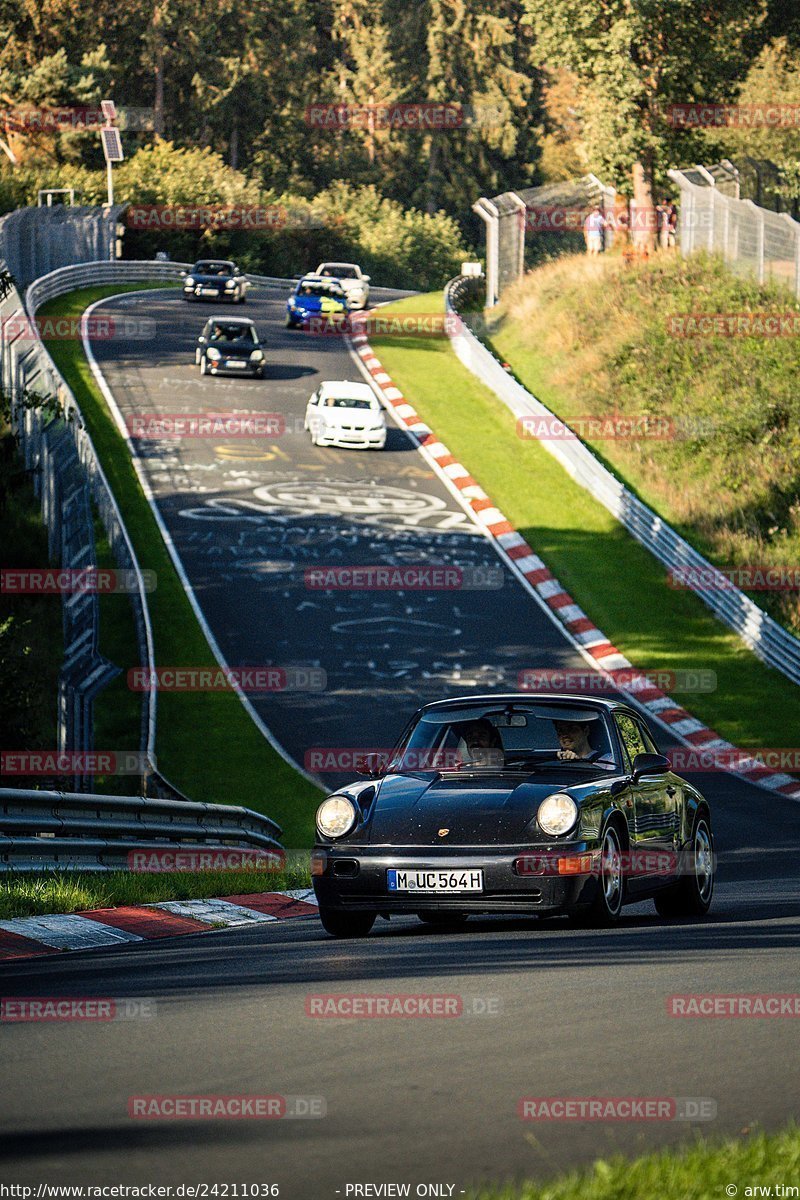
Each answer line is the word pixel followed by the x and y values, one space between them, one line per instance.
pixel 514 804
pixel 215 279
pixel 229 344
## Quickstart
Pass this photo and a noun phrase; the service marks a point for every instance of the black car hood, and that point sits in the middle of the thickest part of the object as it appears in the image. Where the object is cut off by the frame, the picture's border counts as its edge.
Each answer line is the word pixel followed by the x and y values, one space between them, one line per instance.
pixel 480 808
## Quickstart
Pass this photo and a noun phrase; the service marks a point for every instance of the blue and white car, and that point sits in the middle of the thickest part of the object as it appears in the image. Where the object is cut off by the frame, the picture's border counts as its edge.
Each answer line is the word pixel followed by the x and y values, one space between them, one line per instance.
pixel 316 297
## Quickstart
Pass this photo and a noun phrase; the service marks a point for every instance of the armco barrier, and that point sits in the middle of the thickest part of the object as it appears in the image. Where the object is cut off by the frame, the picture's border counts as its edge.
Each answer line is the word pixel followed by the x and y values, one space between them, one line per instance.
pixel 35 370
pixel 768 639
pixel 70 831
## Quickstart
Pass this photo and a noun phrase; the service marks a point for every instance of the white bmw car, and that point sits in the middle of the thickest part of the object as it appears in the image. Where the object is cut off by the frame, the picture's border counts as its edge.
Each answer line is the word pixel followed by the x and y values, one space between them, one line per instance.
pixel 354 283
pixel 346 414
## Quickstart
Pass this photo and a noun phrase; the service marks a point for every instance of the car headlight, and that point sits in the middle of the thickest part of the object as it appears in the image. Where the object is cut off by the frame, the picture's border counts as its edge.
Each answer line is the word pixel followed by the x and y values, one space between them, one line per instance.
pixel 557 814
pixel 336 816
pixel 189 281
pixel 292 302
pixel 231 283
pixel 213 354
pixel 257 356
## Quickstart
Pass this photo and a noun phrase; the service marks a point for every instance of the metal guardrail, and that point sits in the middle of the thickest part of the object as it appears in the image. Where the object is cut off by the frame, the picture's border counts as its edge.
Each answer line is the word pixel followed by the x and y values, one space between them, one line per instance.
pixel 773 644
pixel 77 831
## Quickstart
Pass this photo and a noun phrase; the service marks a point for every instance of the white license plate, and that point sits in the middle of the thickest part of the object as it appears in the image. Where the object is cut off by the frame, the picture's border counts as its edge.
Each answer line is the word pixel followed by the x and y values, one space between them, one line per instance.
pixel 235 362
pixel 209 292
pixel 434 880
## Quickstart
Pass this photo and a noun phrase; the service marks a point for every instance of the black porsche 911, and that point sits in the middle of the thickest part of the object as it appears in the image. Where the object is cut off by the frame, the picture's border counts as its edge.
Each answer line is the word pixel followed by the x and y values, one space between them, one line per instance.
pixel 215 279
pixel 514 804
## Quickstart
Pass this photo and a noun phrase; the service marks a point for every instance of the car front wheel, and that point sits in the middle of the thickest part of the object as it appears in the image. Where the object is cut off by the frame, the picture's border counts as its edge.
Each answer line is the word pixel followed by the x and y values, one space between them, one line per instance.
pixel 691 895
pixel 606 907
pixel 346 924
pixel 204 365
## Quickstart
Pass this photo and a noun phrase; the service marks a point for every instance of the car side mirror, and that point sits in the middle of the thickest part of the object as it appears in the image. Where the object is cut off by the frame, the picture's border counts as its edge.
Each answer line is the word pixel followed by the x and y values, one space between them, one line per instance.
pixel 649 764
pixel 366 278
pixel 183 274
pixel 372 766
pixel 202 340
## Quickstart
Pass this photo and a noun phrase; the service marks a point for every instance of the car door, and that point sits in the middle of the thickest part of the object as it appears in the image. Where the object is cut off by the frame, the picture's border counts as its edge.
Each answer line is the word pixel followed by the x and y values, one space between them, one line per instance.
pixel 312 414
pixel 655 805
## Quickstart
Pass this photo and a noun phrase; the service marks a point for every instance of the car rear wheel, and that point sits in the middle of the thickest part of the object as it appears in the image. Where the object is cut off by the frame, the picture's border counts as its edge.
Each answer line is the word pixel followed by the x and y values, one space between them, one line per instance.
pixel 691 896
pixel 443 919
pixel 346 924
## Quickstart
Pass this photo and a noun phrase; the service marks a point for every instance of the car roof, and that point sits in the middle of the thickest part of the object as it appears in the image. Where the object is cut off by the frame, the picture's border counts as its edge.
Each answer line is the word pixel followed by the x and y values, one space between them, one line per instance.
pixel 569 699
pixel 337 262
pixel 344 390
pixel 226 319
pixel 215 262
pixel 313 277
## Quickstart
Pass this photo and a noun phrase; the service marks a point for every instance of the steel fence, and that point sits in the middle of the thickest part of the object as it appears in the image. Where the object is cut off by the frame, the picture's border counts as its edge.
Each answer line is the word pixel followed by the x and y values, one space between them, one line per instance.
pixel 42 830
pixel 35 241
pixel 768 639
pixel 753 241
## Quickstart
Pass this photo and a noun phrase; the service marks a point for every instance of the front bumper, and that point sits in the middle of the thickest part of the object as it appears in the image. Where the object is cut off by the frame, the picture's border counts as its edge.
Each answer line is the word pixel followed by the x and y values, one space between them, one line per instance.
pixel 504 890
pixel 206 293
pixel 353 440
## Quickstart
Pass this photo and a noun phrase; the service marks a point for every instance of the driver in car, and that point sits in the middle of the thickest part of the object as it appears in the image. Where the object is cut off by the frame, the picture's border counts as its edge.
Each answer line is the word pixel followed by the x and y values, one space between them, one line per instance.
pixel 482 743
pixel 574 740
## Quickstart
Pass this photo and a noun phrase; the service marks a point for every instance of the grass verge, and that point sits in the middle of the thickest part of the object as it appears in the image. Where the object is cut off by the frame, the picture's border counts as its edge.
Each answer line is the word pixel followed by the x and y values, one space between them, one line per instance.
pixel 207 745
pixel 718 417
pixel 67 892
pixel 615 580
pixel 704 1171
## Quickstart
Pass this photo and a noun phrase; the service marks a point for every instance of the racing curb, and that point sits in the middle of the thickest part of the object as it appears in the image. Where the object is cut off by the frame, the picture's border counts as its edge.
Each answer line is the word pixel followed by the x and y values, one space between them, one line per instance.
pixel 33 937
pixel 580 630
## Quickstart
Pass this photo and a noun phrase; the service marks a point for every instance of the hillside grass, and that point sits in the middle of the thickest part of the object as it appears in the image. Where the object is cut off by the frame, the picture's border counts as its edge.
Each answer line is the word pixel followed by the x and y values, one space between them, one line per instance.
pixel 594 338
pixel 618 583
pixel 207 745
pixel 704 1170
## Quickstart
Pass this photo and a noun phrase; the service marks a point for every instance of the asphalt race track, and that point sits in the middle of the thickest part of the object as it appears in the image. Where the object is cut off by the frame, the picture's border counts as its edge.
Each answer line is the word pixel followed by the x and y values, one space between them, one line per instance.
pixel 423 1101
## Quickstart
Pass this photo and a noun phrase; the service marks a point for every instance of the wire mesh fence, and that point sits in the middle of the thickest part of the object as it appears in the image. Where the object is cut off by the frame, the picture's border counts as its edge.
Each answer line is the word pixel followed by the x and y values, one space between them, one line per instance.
pixel 755 242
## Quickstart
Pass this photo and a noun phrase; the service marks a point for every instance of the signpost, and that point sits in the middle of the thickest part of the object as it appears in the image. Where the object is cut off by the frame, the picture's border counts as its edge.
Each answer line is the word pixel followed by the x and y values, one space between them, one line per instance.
pixel 112 143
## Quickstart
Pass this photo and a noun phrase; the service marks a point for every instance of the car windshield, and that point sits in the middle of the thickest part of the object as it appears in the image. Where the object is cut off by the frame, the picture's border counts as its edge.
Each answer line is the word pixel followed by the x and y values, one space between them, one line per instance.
pixel 517 736
pixel 339 271
pixel 346 402
pixel 224 331
pixel 320 289
pixel 212 268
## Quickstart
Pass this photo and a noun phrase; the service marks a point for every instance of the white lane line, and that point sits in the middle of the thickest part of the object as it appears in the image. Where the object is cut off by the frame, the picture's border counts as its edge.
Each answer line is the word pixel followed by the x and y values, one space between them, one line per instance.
pixel 144 480
pixel 216 912
pixel 68 931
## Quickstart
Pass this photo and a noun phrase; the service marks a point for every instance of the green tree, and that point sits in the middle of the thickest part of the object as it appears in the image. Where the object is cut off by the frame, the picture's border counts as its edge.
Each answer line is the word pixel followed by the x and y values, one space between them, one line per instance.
pixel 634 59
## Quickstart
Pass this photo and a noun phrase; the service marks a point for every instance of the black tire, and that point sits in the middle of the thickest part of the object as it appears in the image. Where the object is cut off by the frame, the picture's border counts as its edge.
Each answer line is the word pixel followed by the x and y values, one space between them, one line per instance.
pixel 692 895
pixel 290 323
pixel 606 907
pixel 443 919
pixel 259 374
pixel 203 365
pixel 346 924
